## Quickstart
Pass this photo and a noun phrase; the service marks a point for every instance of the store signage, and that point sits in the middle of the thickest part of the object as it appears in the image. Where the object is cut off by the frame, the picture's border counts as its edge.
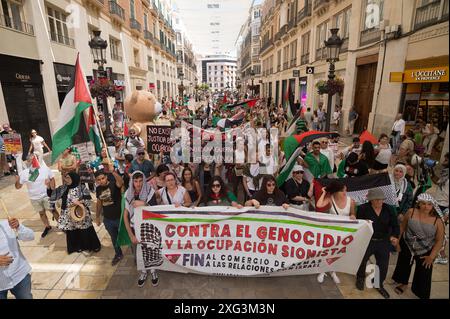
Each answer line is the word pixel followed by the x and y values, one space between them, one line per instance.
pixel 309 70
pixel 23 77
pixel 436 74
pixel 396 77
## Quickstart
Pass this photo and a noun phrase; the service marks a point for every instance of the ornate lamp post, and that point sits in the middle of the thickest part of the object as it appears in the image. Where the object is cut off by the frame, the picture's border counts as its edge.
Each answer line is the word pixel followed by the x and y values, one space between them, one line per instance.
pixel 98 48
pixel 252 74
pixel 333 45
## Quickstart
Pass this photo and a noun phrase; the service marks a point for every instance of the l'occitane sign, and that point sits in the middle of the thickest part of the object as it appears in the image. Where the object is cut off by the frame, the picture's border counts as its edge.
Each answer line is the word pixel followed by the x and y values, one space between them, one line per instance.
pixel 437 74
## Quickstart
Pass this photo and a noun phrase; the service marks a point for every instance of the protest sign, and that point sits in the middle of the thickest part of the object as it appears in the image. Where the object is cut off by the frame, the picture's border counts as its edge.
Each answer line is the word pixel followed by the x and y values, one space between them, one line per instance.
pixel 268 241
pixel 158 139
pixel 13 143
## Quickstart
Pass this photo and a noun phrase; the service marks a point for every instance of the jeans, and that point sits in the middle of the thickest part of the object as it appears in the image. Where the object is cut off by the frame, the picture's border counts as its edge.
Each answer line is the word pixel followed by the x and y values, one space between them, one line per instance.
pixel 396 141
pixel 112 227
pixel 21 291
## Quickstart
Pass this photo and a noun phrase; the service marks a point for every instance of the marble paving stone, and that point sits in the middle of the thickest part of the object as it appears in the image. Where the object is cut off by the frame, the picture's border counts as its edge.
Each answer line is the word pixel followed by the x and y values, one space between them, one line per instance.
pixel 54 294
pixel 45 280
pixel 439 290
pixel 39 293
pixel 75 294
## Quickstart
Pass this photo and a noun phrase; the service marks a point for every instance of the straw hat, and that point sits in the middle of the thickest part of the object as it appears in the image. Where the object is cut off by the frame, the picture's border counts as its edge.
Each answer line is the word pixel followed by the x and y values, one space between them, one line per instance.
pixel 77 213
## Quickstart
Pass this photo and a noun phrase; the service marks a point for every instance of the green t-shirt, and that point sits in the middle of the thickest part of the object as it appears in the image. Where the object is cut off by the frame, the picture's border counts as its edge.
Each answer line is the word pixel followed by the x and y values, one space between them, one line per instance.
pixel 319 168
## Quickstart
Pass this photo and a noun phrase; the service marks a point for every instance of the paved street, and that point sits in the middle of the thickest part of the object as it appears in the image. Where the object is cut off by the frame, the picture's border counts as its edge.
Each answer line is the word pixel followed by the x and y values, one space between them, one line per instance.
pixel 58 275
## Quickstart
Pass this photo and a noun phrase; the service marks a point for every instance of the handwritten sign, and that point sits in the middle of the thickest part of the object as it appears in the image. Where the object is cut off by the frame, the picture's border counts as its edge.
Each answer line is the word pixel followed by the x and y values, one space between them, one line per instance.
pixel 158 139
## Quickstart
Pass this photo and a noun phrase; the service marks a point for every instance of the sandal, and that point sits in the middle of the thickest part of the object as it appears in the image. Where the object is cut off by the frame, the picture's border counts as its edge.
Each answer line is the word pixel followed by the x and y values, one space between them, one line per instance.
pixel 399 290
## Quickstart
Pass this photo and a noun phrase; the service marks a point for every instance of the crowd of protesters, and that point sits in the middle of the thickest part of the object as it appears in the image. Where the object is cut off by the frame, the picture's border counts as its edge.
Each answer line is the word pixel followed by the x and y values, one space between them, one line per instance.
pixel 414 230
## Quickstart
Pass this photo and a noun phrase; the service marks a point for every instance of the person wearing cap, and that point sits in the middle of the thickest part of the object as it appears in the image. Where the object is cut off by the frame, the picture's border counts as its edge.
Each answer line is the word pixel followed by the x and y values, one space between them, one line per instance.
pixel 421 237
pixel 140 163
pixel 316 162
pixel 385 232
pixel 298 190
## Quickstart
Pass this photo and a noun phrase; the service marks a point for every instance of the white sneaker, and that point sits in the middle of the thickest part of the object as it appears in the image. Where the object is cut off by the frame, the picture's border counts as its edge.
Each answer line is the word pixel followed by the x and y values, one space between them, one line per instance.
pixel 321 277
pixel 441 260
pixel 142 278
pixel 335 278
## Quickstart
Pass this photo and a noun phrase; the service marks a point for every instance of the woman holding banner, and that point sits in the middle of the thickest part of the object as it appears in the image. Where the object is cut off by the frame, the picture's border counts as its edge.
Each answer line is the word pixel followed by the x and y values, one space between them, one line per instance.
pixel 138 194
pixel 335 197
pixel 269 195
pixel 192 186
pixel 173 194
pixel 218 195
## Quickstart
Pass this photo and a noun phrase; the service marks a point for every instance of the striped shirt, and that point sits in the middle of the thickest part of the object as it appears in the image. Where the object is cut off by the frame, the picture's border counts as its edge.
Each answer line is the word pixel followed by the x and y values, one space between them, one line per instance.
pixel 13 274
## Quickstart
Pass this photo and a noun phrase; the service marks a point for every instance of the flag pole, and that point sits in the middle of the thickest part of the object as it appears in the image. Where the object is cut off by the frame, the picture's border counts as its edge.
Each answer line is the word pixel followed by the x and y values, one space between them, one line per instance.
pixel 101 132
pixel 4 208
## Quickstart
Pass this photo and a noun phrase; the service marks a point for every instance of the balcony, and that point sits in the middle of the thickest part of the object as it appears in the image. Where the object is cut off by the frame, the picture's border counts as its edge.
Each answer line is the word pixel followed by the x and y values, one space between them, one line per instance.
pixel 285 65
pixel 116 57
pixel 265 46
pixel 304 14
pixel 6 21
pixel 135 26
pixel 284 30
pixel 277 36
pixel 278 67
pixel 304 59
pixel 292 24
pixel 369 36
pixel 148 37
pixel 96 3
pixel 62 39
pixel 320 5
pixel 321 53
pixel 293 63
pixel 117 12
pixel 344 46
pixel 430 14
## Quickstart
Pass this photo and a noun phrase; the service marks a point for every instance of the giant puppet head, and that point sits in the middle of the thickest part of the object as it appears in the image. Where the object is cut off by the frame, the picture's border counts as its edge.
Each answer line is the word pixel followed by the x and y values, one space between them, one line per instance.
pixel 142 108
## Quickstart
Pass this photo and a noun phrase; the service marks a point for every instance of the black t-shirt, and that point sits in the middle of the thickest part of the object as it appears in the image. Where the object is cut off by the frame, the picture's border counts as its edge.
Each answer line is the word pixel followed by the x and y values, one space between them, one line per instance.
pixel 359 169
pixel 111 198
pixel 277 199
pixel 293 189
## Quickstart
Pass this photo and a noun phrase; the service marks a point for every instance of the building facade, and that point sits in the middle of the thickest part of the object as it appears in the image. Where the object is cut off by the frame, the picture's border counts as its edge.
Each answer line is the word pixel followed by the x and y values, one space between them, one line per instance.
pixel 186 58
pixel 248 47
pixel 389 50
pixel 41 40
pixel 219 72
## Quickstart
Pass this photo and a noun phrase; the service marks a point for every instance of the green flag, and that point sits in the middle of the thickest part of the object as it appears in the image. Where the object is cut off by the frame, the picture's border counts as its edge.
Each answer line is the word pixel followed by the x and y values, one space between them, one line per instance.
pixel 123 239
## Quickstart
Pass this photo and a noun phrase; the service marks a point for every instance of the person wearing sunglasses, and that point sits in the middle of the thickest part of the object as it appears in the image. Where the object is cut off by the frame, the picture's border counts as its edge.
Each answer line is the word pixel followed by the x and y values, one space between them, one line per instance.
pixel 140 163
pixel 298 190
pixel 217 194
pixel 172 193
pixel 269 195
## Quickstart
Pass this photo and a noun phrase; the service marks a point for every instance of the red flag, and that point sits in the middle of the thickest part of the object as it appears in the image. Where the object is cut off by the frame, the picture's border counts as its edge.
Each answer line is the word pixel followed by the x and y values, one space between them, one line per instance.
pixel 125 129
pixel 35 162
pixel 367 136
pixel 81 89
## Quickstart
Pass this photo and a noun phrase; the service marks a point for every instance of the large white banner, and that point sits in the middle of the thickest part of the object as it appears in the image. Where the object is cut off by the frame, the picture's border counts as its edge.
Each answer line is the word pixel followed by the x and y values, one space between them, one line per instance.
pixel 268 241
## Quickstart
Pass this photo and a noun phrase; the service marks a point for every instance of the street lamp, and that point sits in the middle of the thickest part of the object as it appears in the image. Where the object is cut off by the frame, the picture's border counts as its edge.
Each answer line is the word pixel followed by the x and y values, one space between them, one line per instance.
pixel 252 74
pixel 181 88
pixel 98 48
pixel 333 45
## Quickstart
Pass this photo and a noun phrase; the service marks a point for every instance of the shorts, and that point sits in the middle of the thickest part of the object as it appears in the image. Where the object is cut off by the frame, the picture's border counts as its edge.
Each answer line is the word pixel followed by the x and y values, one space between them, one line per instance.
pixel 40 205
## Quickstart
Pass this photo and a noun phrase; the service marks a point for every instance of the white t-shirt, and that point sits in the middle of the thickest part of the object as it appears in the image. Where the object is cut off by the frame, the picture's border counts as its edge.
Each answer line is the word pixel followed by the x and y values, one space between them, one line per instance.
pixel 38 147
pixel 132 145
pixel 37 189
pixel 399 126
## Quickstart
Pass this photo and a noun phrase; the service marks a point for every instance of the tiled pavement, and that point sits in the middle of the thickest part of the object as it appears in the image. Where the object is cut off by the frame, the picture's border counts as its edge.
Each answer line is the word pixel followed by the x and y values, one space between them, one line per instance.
pixel 58 275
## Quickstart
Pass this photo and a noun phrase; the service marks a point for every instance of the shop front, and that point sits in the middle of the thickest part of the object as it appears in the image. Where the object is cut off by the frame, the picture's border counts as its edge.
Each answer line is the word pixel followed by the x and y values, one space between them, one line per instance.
pixel 425 95
pixel 21 82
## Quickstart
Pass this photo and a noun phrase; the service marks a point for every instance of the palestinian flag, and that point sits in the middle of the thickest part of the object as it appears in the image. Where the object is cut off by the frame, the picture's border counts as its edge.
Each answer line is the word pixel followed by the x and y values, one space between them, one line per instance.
pixel 292 146
pixel 77 100
pixel 92 128
pixel 244 104
pixel 358 187
pixel 122 238
pixel 34 169
pixel 290 108
pixel 367 136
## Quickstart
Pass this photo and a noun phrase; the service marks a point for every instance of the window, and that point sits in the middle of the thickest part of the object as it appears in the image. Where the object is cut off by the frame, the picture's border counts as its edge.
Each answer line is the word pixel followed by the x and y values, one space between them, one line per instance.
pixel 13 16
pixel 429 12
pixel 285 57
pixel 279 61
pixel 305 48
pixel 145 21
pixel 322 33
pixel 157 66
pixel 136 58
pixel 132 13
pixel 150 63
pixel 114 47
pixel 293 53
pixel 58 27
